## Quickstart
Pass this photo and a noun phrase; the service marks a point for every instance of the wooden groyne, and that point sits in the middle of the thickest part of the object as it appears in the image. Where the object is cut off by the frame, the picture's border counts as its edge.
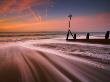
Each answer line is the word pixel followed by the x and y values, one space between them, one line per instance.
pixel 89 40
pixel 95 41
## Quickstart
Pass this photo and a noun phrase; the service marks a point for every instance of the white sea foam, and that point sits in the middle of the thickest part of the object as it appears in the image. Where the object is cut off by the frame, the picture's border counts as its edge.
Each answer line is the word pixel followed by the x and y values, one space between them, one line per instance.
pixel 63 62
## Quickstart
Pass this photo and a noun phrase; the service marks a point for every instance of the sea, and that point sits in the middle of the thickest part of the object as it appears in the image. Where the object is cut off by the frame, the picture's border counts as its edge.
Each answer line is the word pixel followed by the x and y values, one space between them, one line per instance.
pixel 21 36
pixel 48 57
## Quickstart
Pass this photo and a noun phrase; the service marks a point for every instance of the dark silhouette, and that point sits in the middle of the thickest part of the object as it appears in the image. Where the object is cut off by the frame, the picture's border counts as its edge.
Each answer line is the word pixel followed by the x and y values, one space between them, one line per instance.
pixel 107 35
pixel 69 32
pixel 74 36
pixel 87 37
pixel 67 35
pixel 70 16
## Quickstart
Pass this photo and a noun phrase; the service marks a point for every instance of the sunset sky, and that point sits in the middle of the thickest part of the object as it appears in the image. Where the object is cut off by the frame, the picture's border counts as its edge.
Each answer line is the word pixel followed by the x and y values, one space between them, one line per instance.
pixel 52 15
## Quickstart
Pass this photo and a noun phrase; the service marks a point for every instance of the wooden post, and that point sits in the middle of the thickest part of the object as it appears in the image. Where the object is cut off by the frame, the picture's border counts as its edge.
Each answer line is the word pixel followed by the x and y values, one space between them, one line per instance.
pixel 69 31
pixel 87 37
pixel 67 35
pixel 107 35
pixel 69 25
pixel 74 36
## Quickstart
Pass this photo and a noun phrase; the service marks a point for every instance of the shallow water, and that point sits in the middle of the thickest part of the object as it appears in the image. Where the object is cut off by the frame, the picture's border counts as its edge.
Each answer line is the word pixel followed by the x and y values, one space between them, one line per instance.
pixel 53 60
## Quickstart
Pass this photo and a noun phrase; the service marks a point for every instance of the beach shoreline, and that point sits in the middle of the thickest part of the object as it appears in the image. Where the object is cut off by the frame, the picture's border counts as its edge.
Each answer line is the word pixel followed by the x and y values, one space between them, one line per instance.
pixel 93 41
pixel 53 62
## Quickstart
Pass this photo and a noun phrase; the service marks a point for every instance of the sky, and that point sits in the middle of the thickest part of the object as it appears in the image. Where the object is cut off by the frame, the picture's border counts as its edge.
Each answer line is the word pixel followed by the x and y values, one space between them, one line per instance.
pixel 52 15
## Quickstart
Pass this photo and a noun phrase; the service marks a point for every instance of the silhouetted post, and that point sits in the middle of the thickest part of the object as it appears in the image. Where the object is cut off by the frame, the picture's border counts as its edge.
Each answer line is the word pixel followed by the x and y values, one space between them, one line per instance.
pixel 67 35
pixel 74 36
pixel 87 37
pixel 71 34
pixel 107 35
pixel 69 31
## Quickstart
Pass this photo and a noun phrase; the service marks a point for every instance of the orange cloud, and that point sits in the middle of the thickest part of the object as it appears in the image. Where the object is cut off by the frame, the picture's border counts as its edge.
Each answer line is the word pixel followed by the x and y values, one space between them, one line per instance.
pixel 99 22
pixel 30 25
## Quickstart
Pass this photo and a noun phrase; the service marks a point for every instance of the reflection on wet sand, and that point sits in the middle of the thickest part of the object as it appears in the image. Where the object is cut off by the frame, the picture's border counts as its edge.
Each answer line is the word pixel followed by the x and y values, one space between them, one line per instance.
pixel 29 63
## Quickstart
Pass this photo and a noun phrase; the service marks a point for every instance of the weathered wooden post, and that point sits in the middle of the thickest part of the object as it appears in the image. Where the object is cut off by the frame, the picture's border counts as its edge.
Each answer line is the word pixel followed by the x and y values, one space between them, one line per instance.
pixel 67 35
pixel 74 36
pixel 69 31
pixel 107 35
pixel 87 37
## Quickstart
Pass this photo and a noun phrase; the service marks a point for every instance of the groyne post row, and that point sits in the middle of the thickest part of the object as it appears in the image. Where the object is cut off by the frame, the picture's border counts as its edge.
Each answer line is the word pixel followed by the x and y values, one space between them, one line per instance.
pixel 87 36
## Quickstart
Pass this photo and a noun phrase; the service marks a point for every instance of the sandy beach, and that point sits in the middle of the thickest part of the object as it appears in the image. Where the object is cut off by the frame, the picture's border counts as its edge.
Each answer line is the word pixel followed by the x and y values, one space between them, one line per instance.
pixel 20 64
pixel 53 62
pixel 54 40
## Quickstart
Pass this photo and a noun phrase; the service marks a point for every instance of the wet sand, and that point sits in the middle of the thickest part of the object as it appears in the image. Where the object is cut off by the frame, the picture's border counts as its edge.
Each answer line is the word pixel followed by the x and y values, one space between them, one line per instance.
pixel 19 64
pixel 94 41
pixel 29 63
